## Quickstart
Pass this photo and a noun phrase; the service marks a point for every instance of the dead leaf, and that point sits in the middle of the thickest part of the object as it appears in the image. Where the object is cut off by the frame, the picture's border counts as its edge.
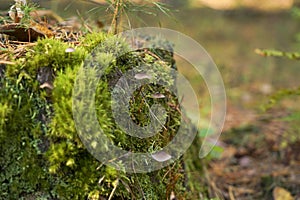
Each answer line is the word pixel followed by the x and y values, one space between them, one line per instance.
pixel 229 153
pixel 24 34
pixel 281 194
pixel 46 85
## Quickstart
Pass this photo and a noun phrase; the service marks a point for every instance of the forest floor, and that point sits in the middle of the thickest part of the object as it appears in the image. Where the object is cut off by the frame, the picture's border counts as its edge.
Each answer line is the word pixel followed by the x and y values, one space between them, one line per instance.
pixel 258 161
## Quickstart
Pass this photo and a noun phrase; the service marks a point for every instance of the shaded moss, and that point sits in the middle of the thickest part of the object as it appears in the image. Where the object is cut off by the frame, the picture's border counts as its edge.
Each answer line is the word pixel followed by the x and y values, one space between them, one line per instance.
pixel 21 160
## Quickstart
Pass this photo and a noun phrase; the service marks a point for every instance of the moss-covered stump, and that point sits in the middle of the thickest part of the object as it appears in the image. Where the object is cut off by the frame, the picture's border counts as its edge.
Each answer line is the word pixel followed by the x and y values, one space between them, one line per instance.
pixel 42 156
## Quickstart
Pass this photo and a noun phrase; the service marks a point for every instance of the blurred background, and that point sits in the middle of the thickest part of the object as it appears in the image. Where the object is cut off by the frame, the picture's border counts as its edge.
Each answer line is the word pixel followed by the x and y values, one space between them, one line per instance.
pixel 230 31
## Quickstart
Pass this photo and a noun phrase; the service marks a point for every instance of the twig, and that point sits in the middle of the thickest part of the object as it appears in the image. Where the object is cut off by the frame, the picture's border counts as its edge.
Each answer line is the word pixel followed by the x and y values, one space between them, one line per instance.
pixel 230 191
pixel 101 179
pixel 168 172
pixel 116 16
pixel 113 191
pixel 6 62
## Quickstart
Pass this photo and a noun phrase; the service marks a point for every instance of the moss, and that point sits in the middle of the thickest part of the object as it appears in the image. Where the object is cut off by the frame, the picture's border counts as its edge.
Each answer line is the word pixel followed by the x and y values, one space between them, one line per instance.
pixel 20 161
pixel 90 41
pixel 45 156
pixel 25 112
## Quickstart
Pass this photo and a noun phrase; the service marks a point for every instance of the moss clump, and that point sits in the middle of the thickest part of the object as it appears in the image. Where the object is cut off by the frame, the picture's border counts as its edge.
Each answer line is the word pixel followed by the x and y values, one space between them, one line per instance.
pixel 71 155
pixel 22 162
pixel 42 154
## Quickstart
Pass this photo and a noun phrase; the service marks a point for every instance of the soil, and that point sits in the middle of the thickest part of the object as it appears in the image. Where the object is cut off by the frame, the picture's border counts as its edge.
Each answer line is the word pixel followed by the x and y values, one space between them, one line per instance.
pixel 253 163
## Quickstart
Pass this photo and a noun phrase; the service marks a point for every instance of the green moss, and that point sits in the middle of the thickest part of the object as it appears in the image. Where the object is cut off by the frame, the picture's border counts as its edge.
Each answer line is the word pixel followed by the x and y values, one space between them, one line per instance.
pixel 45 156
pixel 20 161
pixel 90 41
